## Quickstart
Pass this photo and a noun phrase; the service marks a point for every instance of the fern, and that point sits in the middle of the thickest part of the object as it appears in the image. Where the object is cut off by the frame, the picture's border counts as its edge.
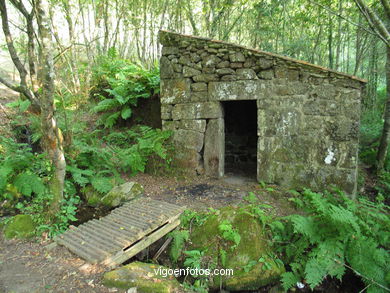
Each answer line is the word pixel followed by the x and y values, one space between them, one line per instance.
pixel 127 83
pixel 28 183
pixel 289 280
pixel 334 233
pixel 230 234
pixel 101 184
pixel 178 241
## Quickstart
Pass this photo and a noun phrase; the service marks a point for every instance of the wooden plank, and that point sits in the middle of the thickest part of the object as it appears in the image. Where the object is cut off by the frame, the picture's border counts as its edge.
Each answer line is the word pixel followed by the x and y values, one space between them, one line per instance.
pixel 122 256
pixel 123 233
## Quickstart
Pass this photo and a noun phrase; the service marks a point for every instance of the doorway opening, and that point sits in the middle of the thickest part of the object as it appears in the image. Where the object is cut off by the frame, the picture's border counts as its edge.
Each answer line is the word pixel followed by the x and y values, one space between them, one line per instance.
pixel 241 138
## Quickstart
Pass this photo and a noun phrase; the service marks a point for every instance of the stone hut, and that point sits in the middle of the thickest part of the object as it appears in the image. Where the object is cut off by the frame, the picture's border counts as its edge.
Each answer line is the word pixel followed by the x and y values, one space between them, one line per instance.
pixel 236 109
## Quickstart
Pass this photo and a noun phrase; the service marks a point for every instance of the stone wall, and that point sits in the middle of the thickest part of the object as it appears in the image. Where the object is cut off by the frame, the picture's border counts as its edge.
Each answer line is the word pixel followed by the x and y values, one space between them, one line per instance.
pixel 308 116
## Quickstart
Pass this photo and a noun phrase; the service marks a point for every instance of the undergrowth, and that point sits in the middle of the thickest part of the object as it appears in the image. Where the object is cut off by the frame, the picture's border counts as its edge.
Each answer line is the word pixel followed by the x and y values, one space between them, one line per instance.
pixel 335 234
pixel 24 179
pixel 119 85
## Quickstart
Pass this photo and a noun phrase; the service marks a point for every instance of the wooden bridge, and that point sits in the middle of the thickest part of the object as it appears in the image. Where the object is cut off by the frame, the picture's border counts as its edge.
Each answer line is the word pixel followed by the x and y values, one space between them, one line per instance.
pixel 113 239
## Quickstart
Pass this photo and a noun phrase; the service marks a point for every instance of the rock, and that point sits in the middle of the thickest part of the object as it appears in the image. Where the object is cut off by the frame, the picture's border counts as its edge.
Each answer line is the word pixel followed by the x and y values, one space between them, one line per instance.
pixel 189 138
pixel 143 276
pixel 92 196
pixel 206 110
pixel 237 57
pixel 214 150
pixel 20 226
pixel 252 248
pixel 122 193
pixel 246 73
pixel 199 87
pixel 189 72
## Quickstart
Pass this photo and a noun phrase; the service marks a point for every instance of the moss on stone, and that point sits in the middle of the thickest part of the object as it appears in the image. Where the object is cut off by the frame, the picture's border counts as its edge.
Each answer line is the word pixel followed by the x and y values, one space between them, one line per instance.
pixel 92 196
pixel 20 226
pixel 252 247
pixel 122 193
pixel 142 276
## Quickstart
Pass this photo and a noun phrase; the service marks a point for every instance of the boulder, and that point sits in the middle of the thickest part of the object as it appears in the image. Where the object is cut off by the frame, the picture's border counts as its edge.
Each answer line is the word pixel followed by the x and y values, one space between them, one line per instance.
pixel 253 261
pixel 20 226
pixel 143 276
pixel 121 194
pixel 92 196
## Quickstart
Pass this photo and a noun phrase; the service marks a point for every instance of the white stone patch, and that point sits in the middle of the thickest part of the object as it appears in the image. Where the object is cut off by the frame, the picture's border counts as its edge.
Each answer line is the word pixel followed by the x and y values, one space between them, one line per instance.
pixel 286 123
pixel 250 88
pixel 330 157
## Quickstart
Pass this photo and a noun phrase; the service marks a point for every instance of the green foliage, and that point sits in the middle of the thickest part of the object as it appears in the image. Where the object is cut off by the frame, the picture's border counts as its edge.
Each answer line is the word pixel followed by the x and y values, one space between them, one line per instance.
pixel 371 126
pixel 24 187
pixel 230 234
pixel 179 237
pixel 194 259
pixel 126 83
pixel 98 158
pixel 334 233
pixel 22 173
pixel 21 105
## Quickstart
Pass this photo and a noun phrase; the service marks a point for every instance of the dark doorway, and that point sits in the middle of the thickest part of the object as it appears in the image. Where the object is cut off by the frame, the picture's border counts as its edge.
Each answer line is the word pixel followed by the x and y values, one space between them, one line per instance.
pixel 241 138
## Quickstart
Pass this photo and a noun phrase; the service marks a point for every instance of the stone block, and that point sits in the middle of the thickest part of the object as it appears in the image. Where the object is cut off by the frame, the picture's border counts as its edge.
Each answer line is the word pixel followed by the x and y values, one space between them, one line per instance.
pixel 237 57
pixel 225 71
pixel 205 77
pixel 166 111
pixel 229 77
pixel 246 73
pixel 166 70
pixel 190 72
pixel 175 91
pixel 169 125
pixel 211 61
pixel 214 150
pixel 321 107
pixel 238 90
pixel 199 96
pixel 186 159
pixel 279 122
pixel 264 63
pixel 169 50
pixel 194 125
pixel 266 74
pixel 236 65
pixel 189 139
pixel 199 87
pixel 206 110
pixel 208 70
pixel 223 64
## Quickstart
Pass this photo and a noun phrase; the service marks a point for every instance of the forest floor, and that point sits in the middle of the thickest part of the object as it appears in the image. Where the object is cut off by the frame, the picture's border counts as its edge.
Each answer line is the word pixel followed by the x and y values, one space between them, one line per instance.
pixel 35 266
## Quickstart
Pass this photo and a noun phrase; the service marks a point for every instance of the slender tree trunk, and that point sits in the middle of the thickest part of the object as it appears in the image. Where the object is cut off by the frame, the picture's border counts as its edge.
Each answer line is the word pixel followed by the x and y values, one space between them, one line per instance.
pixel 52 138
pixel 384 143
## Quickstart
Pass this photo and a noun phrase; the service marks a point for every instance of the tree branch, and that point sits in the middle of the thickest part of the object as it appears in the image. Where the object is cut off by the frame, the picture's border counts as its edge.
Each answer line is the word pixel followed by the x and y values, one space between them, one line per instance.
pixel 10 43
pixel 375 23
pixel 342 17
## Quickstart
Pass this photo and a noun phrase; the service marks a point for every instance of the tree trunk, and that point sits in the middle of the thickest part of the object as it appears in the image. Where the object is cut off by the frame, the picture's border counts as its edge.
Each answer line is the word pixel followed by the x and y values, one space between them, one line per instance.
pixel 52 138
pixel 384 143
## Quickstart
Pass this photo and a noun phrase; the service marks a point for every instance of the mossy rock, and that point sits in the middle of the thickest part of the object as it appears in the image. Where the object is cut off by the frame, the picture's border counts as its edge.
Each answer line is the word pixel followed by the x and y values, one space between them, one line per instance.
pixel 122 193
pixel 20 226
pixel 144 277
pixel 249 272
pixel 92 197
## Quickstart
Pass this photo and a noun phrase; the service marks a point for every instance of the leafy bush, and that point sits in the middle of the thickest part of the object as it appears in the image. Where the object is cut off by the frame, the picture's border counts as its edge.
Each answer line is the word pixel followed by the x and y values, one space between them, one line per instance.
pixel 334 234
pixel 24 181
pixel 126 83
pixel 99 159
